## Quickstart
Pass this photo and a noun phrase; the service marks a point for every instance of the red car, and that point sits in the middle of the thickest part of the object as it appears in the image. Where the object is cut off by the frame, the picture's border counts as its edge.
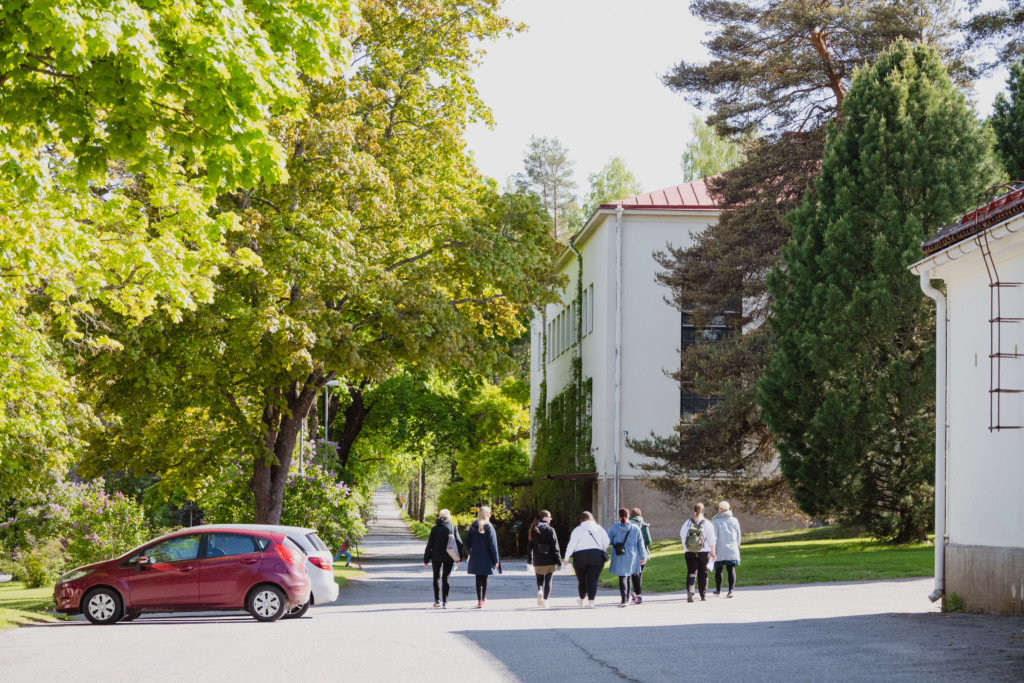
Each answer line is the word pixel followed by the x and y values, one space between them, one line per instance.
pixel 260 571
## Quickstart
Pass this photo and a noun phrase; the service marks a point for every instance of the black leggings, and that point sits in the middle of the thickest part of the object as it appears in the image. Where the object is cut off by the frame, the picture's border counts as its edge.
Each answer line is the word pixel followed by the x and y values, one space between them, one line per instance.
pixel 481 587
pixel 588 565
pixel 442 570
pixel 731 571
pixel 638 579
pixel 624 588
pixel 697 571
pixel 544 581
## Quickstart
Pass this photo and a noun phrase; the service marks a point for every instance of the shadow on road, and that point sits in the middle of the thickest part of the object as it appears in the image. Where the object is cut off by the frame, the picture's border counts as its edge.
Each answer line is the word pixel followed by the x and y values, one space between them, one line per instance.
pixel 875 647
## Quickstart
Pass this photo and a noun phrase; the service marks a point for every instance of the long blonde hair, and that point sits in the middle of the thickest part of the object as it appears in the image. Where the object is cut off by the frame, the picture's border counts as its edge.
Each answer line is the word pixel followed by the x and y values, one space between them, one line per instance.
pixel 482 517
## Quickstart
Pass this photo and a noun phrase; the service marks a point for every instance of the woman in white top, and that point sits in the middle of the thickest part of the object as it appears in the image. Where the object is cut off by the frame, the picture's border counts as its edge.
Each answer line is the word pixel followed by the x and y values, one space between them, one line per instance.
pixel 727 546
pixel 587 547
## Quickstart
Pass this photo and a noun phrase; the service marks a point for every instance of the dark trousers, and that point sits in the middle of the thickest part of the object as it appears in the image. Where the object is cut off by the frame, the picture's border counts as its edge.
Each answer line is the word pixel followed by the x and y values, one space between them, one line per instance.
pixel 697 571
pixel 544 582
pixel 638 579
pixel 588 565
pixel 731 571
pixel 481 587
pixel 442 570
pixel 624 588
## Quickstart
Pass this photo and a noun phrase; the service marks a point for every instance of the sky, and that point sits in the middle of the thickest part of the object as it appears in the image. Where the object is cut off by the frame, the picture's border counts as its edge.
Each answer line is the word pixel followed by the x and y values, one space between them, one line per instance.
pixel 588 72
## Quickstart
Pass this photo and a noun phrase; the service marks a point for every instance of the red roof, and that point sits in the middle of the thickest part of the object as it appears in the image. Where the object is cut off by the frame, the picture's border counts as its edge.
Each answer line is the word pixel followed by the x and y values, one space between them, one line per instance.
pixel 692 195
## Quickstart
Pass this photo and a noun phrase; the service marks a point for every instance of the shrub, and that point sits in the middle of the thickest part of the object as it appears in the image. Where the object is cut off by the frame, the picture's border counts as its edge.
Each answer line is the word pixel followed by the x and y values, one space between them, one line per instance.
pixel 88 524
pixel 313 499
pixel 40 565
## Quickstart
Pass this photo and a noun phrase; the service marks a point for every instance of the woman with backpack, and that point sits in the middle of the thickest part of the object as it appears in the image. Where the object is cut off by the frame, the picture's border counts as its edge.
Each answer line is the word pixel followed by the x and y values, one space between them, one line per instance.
pixel 629 554
pixel 441 536
pixel 543 553
pixel 637 518
pixel 727 546
pixel 698 536
pixel 482 545
pixel 587 545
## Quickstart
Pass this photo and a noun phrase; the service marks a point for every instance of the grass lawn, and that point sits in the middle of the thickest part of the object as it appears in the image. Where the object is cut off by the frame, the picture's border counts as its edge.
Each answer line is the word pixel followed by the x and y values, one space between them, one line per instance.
pixel 342 574
pixel 20 605
pixel 799 556
pixel 420 530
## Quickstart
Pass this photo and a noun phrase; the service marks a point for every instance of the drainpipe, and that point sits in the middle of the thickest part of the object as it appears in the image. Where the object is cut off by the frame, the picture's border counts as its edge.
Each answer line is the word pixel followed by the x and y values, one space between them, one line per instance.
pixel 940 435
pixel 618 347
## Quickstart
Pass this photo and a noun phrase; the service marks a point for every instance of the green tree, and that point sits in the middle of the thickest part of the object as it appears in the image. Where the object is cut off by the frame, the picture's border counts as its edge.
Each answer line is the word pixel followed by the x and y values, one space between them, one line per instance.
pixel 1002 28
pixel 707 154
pixel 384 250
pixel 548 174
pixel 614 181
pixel 1008 123
pixel 849 388
pixel 778 70
pixel 120 122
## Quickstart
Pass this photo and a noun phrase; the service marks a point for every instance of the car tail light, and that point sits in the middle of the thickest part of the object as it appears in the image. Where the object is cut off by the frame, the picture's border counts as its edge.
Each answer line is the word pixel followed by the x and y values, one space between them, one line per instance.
pixel 321 562
pixel 287 554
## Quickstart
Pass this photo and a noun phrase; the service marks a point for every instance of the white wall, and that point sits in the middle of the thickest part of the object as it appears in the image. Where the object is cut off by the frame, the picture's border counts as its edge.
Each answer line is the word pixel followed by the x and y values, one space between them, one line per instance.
pixel 650 330
pixel 985 475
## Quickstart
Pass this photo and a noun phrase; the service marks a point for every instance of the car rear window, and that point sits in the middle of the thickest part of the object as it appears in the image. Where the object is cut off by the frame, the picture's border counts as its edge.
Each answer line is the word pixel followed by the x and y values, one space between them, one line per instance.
pixel 317 543
pixel 293 545
pixel 222 545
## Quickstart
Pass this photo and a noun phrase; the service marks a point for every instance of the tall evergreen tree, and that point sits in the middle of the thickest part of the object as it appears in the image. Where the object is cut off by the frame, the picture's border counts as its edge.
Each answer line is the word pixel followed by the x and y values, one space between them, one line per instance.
pixel 548 174
pixel 780 69
pixel 999 27
pixel 849 388
pixel 1008 123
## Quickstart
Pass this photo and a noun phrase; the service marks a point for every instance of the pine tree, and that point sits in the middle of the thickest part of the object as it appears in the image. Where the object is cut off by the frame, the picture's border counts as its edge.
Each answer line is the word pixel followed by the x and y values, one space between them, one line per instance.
pixel 849 389
pixel 548 174
pixel 1008 123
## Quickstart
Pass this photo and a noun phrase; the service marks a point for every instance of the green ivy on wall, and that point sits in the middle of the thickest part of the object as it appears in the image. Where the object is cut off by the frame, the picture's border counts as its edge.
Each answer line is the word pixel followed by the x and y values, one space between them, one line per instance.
pixel 562 433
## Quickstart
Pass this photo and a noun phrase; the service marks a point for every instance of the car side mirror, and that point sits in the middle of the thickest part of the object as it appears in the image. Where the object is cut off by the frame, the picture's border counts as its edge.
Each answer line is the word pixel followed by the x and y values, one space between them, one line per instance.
pixel 142 562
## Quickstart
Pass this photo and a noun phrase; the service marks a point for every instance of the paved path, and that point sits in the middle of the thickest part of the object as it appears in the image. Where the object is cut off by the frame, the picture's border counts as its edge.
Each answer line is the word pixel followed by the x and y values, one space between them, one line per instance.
pixel 388 537
pixel 383 628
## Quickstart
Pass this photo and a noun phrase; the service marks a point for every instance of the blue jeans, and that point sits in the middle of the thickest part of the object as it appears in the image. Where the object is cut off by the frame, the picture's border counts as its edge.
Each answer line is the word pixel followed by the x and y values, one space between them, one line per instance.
pixel 347 555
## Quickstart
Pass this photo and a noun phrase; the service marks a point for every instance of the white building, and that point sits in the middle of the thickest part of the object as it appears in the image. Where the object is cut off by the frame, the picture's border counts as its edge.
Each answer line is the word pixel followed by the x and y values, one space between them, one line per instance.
pixel 631 338
pixel 980 405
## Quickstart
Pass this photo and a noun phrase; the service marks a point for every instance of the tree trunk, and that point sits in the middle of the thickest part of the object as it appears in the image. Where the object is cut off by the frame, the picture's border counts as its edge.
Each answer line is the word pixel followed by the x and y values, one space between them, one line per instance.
pixel 355 415
pixel 410 500
pixel 423 494
pixel 270 473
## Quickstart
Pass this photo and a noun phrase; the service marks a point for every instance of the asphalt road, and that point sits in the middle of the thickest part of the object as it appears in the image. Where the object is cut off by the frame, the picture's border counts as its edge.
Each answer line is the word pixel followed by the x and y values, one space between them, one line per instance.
pixel 384 628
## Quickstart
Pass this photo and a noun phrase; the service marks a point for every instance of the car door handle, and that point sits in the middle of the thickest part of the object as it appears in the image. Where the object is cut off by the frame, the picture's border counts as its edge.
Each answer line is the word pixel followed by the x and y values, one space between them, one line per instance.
pixel 250 561
pixel 185 569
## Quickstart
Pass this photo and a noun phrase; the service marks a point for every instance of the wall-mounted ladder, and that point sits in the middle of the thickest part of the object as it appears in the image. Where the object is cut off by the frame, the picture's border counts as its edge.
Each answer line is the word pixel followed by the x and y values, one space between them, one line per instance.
pixel 997 322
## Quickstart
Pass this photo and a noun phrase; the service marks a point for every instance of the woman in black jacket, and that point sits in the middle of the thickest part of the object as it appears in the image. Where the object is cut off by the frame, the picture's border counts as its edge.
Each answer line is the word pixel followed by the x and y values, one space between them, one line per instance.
pixel 437 554
pixel 543 553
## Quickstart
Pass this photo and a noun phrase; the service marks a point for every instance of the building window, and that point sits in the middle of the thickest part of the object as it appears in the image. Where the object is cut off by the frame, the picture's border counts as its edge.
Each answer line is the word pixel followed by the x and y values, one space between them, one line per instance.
pixel 590 315
pixel 691 403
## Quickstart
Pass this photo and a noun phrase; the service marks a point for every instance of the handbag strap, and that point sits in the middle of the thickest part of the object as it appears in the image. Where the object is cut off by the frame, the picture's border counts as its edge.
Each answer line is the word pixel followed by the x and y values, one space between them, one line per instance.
pixel 595 539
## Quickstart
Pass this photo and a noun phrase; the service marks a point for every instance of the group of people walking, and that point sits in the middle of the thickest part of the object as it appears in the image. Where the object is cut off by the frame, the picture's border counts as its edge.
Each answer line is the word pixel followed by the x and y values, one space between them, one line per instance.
pixel 707 543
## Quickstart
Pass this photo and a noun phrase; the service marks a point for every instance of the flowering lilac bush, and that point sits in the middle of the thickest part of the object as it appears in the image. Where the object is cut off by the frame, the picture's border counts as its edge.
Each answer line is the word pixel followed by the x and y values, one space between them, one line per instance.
pixel 88 524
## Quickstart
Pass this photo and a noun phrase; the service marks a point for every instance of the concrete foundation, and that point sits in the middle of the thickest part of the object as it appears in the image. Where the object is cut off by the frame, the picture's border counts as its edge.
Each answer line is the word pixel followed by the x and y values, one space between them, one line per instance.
pixel 988 579
pixel 666 515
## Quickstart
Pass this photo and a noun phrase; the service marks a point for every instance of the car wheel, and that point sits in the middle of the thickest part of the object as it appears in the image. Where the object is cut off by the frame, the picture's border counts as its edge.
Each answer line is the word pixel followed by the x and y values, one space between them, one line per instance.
pixel 131 616
pixel 296 612
pixel 266 603
pixel 103 606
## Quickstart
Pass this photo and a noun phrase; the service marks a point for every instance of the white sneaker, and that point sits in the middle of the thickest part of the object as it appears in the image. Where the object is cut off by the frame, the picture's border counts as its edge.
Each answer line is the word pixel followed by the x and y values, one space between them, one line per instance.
pixel 590 604
pixel 545 603
pixel 579 602
pixel 540 597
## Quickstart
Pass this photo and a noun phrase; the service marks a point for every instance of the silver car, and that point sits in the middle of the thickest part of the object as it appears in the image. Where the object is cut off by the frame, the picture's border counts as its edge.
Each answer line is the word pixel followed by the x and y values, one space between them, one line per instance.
pixel 319 562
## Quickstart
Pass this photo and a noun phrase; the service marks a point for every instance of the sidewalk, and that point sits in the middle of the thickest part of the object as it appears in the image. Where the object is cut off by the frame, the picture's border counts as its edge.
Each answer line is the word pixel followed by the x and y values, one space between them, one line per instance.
pixel 388 538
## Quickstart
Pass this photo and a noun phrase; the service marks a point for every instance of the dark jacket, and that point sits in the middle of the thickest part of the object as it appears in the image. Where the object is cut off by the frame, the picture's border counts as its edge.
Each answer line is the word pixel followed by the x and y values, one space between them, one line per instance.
pixel 437 542
pixel 482 548
pixel 542 548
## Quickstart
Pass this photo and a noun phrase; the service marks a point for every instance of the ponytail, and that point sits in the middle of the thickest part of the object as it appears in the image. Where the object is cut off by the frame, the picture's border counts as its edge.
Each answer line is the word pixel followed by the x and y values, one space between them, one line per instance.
pixel 535 527
pixel 624 515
